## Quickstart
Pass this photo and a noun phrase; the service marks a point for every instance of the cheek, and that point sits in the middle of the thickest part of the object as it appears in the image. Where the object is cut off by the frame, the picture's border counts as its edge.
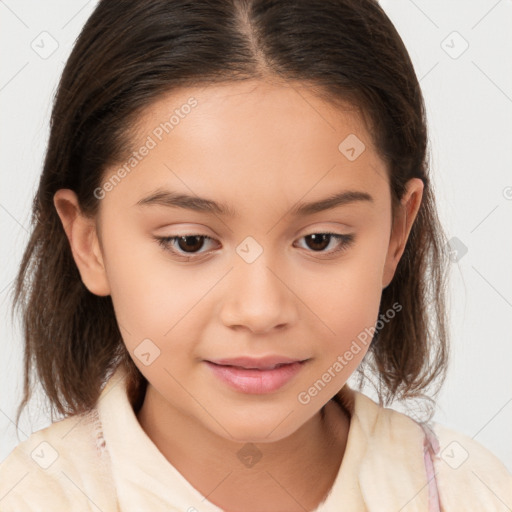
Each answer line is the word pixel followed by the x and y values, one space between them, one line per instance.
pixel 348 301
pixel 357 284
pixel 151 296
pixel 351 312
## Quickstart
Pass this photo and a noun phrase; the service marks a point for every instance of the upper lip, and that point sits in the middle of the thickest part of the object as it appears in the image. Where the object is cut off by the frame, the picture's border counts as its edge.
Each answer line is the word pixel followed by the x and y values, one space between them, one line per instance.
pixel 262 363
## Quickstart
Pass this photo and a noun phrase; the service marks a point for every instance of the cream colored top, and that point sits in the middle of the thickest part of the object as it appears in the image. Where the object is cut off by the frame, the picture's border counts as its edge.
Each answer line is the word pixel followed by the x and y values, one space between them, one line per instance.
pixel 104 461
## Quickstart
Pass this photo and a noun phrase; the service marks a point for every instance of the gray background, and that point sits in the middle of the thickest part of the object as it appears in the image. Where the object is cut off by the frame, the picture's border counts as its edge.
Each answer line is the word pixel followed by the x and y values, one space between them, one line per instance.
pixel 468 92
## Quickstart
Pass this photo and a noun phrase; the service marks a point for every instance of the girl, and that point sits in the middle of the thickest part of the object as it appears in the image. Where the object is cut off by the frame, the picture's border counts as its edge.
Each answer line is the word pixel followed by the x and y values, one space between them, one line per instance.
pixel 235 215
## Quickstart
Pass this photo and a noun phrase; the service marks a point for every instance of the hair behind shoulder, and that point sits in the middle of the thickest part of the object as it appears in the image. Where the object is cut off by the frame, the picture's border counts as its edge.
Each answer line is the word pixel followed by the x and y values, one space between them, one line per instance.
pixel 128 55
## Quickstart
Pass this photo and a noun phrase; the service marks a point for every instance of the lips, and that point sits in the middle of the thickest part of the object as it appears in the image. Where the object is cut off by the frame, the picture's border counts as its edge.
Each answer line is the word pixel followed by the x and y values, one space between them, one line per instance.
pixel 256 380
pixel 262 363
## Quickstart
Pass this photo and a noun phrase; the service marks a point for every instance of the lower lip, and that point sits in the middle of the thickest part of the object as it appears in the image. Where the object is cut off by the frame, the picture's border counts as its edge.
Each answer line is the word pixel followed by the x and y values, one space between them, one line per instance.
pixel 256 381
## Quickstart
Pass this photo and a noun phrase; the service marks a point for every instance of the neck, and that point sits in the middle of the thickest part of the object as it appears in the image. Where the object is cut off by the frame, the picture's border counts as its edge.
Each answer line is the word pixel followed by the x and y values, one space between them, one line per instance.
pixel 293 474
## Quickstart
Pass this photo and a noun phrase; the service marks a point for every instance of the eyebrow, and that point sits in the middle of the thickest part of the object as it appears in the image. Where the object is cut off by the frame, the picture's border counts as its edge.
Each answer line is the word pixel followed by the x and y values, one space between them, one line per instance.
pixel 200 204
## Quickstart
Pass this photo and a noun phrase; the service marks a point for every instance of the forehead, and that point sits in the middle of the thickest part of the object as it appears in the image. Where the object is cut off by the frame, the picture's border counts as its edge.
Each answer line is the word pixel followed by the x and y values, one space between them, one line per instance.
pixel 253 107
pixel 277 141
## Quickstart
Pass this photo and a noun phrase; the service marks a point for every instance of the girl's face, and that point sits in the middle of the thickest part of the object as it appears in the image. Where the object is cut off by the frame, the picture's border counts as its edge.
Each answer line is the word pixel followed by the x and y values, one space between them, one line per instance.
pixel 240 166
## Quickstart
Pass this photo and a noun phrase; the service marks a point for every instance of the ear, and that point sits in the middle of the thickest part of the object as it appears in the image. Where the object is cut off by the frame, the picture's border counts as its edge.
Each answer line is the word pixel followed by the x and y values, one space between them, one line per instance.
pixel 82 235
pixel 405 216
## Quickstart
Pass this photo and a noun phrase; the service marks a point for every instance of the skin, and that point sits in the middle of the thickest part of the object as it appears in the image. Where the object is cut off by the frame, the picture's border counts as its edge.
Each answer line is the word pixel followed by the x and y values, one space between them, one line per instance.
pixel 261 147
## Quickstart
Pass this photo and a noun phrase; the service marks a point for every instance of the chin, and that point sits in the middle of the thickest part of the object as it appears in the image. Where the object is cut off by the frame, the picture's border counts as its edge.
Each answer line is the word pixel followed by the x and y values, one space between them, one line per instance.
pixel 271 428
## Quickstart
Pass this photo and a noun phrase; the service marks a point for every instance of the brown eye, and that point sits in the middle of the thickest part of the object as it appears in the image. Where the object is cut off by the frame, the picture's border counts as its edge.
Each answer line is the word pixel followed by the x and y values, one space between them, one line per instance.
pixel 190 243
pixel 190 246
pixel 184 245
pixel 318 242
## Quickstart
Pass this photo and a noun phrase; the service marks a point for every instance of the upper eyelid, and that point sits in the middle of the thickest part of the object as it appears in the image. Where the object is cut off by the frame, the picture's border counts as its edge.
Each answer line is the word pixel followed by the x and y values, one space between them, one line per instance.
pixel 311 232
pixel 171 239
pixel 345 229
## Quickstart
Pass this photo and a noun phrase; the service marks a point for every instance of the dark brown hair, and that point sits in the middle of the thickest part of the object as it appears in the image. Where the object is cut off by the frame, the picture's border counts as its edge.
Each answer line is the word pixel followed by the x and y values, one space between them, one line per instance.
pixel 129 54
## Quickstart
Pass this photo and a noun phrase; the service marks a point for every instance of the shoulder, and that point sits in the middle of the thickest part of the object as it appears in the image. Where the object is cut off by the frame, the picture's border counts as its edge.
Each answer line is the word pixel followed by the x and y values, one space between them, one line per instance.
pixel 468 475
pixel 61 467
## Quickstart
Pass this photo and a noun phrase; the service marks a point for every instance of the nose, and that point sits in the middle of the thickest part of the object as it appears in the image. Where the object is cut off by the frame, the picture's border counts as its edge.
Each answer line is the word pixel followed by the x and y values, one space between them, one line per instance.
pixel 257 297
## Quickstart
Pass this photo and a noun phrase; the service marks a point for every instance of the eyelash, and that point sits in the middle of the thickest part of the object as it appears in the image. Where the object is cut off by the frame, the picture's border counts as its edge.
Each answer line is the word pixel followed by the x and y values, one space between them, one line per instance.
pixel 166 242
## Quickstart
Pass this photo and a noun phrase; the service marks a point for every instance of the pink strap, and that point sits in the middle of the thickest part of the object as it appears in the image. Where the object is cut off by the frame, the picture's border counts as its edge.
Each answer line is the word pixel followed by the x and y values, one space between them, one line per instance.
pixel 431 449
